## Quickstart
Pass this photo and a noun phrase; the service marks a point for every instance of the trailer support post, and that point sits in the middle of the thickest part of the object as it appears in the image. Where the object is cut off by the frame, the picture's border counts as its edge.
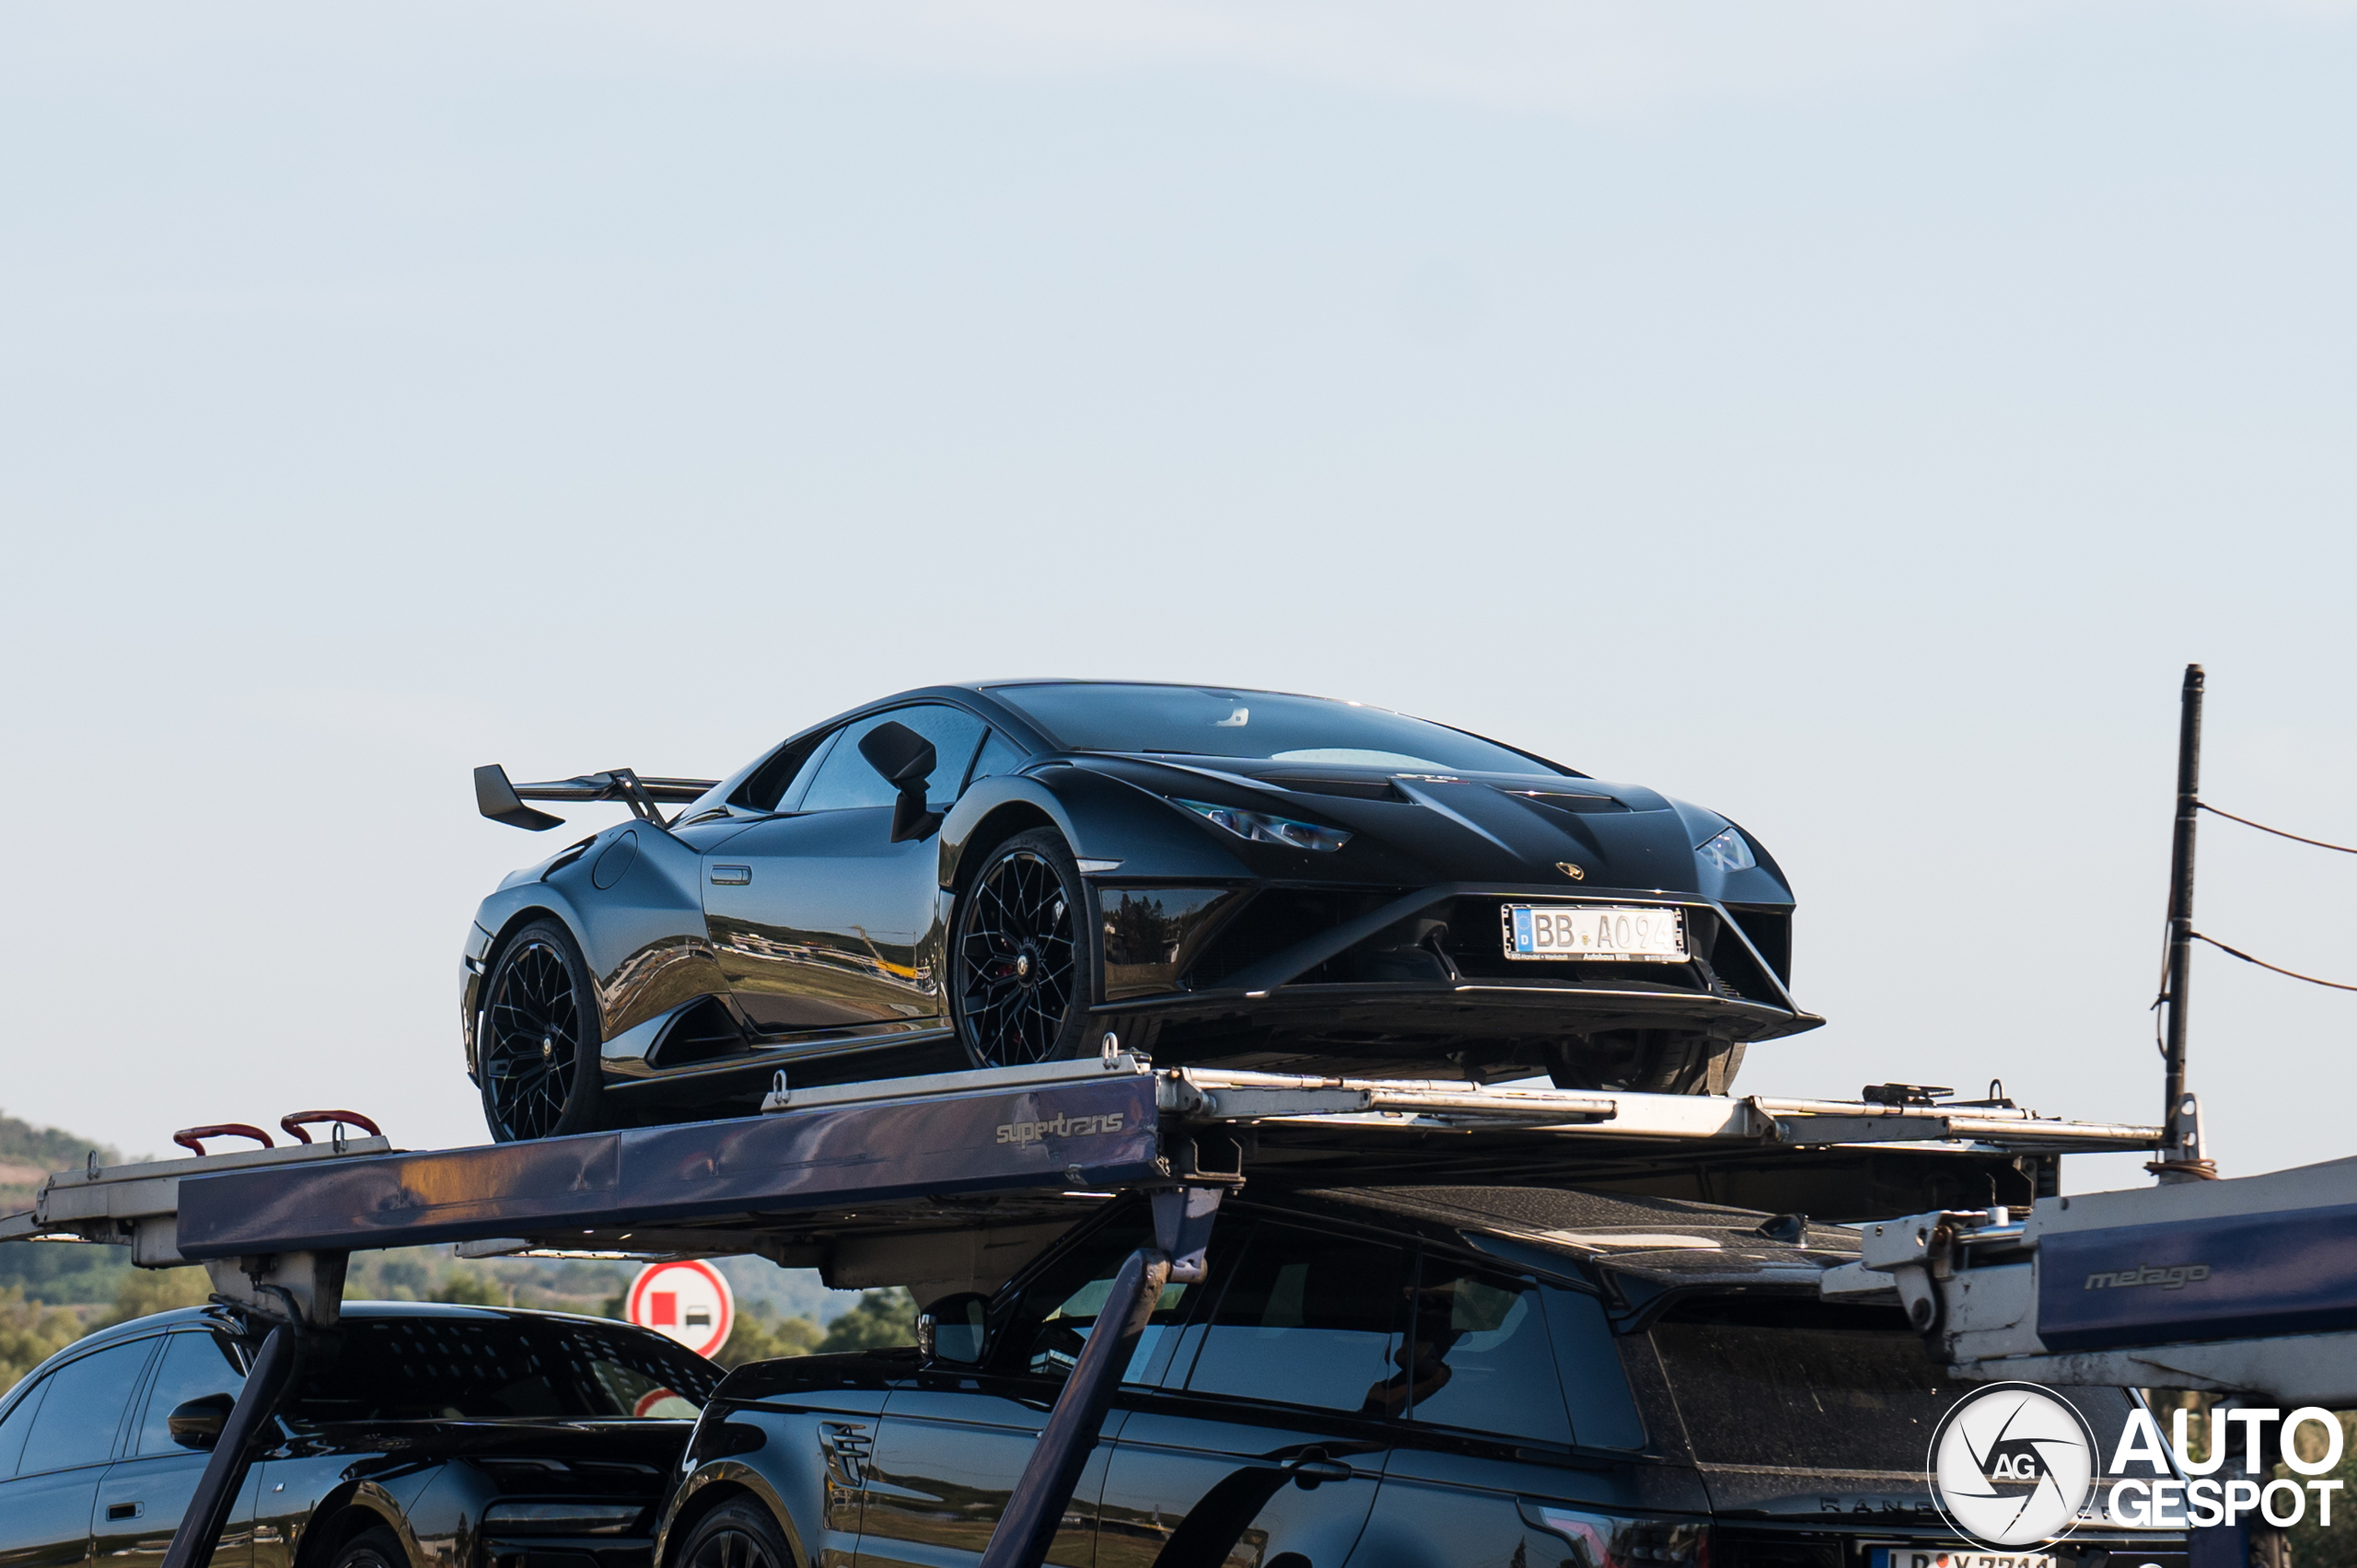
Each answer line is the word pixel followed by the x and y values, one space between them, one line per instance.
pixel 296 1293
pixel 1182 1226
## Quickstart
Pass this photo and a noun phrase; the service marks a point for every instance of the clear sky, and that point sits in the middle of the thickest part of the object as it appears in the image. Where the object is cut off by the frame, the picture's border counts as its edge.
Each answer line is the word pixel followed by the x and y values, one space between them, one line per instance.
pixel 1849 416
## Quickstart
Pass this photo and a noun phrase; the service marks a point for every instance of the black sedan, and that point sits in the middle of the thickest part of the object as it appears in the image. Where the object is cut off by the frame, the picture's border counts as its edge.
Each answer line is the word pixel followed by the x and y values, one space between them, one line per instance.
pixel 464 1436
pixel 1017 872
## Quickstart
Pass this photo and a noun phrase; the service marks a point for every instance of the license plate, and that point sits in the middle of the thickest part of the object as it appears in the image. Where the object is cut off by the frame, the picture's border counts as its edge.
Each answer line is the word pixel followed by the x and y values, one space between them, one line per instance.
pixel 1931 1557
pixel 1593 932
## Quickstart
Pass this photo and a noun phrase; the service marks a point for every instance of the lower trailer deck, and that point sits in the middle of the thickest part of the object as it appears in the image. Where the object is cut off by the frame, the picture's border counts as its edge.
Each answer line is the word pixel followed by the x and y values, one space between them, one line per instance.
pixel 952 1180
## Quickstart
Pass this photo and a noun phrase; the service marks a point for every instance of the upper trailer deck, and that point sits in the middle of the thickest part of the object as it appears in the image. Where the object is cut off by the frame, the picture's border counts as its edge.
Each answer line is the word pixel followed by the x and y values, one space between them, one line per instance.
pixel 825 1166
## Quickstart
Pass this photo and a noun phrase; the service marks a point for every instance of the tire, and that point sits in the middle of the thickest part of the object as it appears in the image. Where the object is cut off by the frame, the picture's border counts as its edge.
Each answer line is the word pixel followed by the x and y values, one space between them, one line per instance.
pixel 1022 964
pixel 735 1535
pixel 377 1548
pixel 538 1039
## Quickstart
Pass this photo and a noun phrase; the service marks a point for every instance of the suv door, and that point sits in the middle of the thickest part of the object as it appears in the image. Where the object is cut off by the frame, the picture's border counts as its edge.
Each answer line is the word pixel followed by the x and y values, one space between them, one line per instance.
pixel 1268 1436
pixel 1515 1388
pixel 954 1442
pixel 143 1496
pixel 67 1425
pixel 819 919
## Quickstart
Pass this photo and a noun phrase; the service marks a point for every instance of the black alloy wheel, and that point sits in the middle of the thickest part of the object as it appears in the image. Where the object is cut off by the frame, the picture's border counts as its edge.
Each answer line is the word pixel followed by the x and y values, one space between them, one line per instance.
pixel 737 1535
pixel 379 1548
pixel 1021 965
pixel 538 1039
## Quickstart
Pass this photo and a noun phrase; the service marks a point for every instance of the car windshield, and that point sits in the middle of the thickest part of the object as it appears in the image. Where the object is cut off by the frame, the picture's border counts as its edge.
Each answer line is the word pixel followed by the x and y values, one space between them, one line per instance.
pixel 435 1367
pixel 1804 1385
pixel 1218 721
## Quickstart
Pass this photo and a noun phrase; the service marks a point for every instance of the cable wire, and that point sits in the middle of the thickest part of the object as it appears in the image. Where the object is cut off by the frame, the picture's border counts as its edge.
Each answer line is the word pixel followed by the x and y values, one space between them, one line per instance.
pixel 2205 805
pixel 2262 963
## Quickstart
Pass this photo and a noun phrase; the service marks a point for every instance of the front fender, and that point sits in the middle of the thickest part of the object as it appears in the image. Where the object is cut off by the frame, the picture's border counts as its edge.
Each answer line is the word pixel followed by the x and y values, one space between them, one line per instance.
pixel 1100 817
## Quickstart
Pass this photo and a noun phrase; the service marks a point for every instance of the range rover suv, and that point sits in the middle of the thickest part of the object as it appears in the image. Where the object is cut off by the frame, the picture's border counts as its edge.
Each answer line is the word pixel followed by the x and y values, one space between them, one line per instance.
pixel 1492 1376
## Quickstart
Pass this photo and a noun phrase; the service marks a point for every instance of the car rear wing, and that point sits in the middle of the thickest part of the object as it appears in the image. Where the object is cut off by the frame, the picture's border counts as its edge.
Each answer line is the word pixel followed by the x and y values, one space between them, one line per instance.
pixel 501 801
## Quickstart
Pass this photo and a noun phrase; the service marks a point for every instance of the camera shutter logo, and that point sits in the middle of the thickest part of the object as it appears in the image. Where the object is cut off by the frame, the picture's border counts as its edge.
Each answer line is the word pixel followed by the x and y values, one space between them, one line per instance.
pixel 2013 1465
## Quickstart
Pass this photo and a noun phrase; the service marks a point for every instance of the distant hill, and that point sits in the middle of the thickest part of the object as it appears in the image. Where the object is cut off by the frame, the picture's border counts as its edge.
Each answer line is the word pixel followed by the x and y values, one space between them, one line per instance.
pixel 47 1148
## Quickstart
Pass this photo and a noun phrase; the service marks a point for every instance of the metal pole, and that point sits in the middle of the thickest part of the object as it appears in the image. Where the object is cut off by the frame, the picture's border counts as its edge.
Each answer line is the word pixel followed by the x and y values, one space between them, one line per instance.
pixel 1037 1506
pixel 225 1473
pixel 2180 969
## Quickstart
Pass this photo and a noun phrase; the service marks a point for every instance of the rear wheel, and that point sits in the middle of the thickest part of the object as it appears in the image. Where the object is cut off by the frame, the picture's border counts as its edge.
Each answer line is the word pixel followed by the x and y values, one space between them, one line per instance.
pixel 736 1535
pixel 1021 967
pixel 538 1039
pixel 379 1548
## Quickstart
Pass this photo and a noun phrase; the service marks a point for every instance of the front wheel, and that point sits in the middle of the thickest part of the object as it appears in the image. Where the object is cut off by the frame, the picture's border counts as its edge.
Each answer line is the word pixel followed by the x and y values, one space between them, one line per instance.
pixel 1022 973
pixel 539 1037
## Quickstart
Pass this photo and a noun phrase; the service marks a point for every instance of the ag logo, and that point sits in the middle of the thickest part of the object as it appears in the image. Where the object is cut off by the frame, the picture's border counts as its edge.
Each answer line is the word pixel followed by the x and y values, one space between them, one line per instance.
pixel 2013 1465
pixel 1576 873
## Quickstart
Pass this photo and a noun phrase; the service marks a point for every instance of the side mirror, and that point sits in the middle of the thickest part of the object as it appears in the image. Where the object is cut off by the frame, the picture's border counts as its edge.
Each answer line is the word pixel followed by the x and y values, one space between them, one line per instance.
pixel 951 1331
pixel 905 759
pixel 197 1424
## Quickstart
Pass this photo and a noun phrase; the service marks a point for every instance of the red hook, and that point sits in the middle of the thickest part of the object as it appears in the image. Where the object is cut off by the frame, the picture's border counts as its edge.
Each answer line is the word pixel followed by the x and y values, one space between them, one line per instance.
pixel 190 1138
pixel 294 1120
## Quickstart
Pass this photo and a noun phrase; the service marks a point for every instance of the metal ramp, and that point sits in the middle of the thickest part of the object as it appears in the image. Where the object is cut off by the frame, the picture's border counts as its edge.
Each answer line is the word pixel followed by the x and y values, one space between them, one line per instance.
pixel 906 1175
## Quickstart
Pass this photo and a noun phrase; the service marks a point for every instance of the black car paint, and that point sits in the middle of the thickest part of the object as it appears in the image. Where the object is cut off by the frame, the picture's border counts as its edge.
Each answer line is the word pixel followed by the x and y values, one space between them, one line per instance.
pixel 882 1459
pixel 744 938
pixel 313 1489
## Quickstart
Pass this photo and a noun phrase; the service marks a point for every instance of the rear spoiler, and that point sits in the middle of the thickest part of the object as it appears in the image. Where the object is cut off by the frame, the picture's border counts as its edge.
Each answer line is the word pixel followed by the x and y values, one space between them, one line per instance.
pixel 503 802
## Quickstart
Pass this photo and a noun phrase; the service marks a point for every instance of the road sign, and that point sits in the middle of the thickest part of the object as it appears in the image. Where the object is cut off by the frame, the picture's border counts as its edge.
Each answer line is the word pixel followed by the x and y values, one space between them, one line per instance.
pixel 686 1301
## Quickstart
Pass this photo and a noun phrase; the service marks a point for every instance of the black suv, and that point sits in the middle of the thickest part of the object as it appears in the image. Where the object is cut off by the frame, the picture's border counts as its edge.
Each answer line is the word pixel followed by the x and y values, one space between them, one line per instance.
pixel 1505 1376
pixel 467 1436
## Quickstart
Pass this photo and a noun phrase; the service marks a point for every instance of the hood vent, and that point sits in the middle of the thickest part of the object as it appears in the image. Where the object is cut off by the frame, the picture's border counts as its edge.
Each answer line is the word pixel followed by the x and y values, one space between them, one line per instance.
pixel 1564 801
pixel 1353 789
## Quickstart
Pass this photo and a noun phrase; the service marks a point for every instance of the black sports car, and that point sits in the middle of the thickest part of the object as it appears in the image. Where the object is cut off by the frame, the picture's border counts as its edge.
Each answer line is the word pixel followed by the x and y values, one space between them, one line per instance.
pixel 1010 872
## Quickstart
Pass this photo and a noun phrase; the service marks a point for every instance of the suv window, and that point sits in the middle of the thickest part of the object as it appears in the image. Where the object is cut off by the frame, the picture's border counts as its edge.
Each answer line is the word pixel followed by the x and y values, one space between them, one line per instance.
pixel 1057 1310
pixel 448 1368
pixel 13 1430
pixel 82 1408
pixel 1308 1318
pixel 194 1366
pixel 1478 1356
pixel 845 780
pixel 1797 1382
pixel 1603 1413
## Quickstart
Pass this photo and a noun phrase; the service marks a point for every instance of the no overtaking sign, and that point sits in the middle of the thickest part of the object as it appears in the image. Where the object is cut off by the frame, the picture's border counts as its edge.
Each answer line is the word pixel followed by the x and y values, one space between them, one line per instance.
pixel 687 1302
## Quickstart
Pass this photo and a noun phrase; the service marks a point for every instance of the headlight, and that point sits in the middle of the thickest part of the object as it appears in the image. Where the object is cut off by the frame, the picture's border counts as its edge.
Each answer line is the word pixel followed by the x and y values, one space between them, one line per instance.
pixel 1263 828
pixel 1729 852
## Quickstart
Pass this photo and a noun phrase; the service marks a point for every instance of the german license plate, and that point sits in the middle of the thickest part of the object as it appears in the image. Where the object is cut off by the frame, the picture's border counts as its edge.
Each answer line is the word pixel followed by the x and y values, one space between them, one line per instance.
pixel 1931 1557
pixel 1594 931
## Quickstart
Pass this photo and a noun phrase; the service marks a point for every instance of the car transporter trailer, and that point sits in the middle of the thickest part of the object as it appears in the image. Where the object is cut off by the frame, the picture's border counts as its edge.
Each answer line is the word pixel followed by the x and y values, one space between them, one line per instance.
pixel 962 1176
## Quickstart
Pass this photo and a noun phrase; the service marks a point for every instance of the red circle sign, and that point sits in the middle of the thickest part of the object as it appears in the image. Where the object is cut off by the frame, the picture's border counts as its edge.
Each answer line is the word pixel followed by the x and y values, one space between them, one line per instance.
pixel 687 1301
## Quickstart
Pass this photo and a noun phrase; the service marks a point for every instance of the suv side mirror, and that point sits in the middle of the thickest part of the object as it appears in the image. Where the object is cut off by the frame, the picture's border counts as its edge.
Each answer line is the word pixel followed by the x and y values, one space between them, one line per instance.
pixel 953 1330
pixel 197 1422
pixel 905 759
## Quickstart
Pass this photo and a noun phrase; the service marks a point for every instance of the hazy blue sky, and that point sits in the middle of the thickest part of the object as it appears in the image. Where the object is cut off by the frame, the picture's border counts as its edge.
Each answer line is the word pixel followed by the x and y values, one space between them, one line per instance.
pixel 1850 416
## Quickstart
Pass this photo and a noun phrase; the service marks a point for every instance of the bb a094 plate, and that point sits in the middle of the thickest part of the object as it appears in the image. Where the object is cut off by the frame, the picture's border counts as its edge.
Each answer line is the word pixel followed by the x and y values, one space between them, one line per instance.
pixel 1610 933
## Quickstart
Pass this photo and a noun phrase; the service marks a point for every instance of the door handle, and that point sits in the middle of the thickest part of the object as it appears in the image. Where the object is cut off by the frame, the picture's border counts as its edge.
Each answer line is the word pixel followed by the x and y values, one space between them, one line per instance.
pixel 121 1511
pixel 731 876
pixel 1315 1467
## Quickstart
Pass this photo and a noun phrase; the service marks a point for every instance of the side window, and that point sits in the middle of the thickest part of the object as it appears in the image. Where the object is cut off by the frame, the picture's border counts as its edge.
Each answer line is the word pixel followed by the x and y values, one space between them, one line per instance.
pixel 13 1430
pixel 1478 1355
pixel 845 780
pixel 194 1366
pixel 1059 1308
pixel 1308 1319
pixel 1587 1357
pixel 999 755
pixel 771 787
pixel 84 1407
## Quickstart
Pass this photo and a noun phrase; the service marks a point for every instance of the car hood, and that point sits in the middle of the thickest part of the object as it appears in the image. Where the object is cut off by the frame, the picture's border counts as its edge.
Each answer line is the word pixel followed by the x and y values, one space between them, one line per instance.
pixel 1513 828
